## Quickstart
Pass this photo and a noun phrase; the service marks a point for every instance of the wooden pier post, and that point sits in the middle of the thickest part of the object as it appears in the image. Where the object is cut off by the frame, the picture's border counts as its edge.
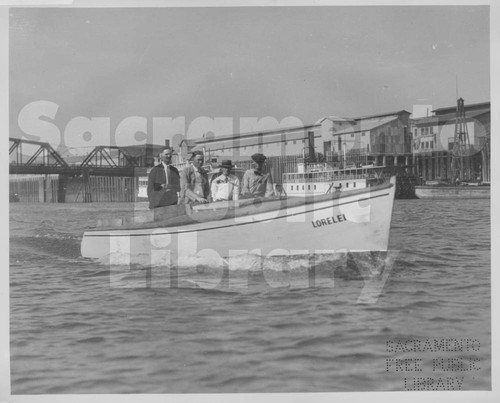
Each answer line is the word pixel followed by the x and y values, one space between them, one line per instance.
pixel 41 189
pixel 61 189
pixel 48 189
pixel 87 194
pixel 448 166
pixel 424 167
pixel 445 164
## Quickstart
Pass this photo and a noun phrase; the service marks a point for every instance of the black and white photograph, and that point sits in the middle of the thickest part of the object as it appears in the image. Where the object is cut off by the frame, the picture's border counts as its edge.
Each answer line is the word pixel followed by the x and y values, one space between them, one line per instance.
pixel 288 199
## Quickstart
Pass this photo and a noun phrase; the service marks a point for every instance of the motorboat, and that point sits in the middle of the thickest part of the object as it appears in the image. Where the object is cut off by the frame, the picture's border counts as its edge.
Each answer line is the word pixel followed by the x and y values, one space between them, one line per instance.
pixel 357 220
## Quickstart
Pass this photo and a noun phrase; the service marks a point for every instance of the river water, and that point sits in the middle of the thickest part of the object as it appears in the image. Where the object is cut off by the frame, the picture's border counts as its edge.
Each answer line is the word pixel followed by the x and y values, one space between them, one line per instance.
pixel 75 330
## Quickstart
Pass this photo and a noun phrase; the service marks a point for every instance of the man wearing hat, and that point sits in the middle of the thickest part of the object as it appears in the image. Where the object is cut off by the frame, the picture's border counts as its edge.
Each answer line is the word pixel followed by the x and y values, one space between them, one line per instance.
pixel 194 181
pixel 163 182
pixel 256 183
pixel 225 186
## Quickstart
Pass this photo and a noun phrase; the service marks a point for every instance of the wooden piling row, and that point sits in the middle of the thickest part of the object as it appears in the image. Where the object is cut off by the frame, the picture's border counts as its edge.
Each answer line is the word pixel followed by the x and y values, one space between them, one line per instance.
pixel 33 188
pixel 112 189
pixel 86 189
pixel 437 166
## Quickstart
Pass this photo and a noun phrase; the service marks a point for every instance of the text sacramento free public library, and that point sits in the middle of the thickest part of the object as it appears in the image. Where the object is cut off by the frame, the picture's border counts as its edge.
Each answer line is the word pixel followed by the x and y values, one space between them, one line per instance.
pixel 432 345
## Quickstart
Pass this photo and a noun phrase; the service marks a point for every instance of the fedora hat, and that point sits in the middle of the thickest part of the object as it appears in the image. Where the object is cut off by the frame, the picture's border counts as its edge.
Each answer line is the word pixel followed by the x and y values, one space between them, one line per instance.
pixel 226 164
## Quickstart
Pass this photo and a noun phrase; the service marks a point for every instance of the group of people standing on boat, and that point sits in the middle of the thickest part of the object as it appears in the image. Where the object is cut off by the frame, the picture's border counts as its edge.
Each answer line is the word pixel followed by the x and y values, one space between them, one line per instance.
pixel 168 186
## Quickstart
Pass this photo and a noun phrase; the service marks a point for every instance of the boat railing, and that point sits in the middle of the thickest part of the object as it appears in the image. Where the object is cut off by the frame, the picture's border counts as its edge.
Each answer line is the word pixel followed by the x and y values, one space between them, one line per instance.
pixel 322 177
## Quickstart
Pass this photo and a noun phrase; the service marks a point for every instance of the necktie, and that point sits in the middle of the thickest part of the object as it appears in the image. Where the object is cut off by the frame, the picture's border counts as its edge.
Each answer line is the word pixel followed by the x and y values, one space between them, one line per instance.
pixel 166 172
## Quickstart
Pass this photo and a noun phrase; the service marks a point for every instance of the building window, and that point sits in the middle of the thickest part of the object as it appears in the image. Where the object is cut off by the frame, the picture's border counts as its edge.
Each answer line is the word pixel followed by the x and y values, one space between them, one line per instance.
pixel 308 187
pixel 347 184
pixel 294 141
pixel 422 131
pixel 426 144
pixel 432 144
pixel 368 148
pixel 302 187
pixel 432 129
pixel 352 134
pixel 416 132
pixel 354 184
pixel 363 134
pixel 314 187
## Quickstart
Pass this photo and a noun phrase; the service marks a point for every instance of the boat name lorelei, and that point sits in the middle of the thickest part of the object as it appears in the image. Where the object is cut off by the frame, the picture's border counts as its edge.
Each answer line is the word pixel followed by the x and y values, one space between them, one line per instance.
pixel 329 221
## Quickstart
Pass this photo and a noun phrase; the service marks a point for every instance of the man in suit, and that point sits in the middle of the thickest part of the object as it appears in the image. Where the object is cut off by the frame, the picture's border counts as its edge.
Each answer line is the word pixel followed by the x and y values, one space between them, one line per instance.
pixel 163 182
pixel 195 187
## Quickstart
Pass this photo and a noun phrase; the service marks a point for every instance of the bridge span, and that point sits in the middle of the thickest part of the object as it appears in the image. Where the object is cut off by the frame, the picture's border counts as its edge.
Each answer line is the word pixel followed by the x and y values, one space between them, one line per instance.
pixel 40 173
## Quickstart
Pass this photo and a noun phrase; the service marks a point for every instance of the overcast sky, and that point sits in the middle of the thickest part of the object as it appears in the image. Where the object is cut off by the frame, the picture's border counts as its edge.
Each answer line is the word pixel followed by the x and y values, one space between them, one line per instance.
pixel 301 62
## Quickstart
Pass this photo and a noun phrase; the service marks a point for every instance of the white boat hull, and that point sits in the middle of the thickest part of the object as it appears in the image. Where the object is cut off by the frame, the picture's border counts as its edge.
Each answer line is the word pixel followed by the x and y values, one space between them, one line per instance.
pixel 350 222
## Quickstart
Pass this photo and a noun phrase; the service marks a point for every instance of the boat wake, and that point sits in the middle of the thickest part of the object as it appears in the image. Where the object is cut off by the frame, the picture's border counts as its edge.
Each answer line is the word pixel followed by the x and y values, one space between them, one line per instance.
pixel 251 271
pixel 47 245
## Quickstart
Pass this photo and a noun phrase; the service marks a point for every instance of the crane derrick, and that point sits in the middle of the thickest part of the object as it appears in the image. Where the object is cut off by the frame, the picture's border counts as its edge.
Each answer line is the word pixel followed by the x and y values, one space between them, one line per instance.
pixel 461 165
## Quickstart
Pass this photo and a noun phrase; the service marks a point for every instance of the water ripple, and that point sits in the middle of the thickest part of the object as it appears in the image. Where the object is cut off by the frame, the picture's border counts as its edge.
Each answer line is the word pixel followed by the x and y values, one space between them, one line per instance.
pixel 75 331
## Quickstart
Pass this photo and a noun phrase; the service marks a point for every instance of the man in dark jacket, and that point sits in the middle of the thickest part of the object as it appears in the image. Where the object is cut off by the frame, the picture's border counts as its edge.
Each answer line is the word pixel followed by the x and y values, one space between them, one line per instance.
pixel 256 183
pixel 163 182
pixel 195 187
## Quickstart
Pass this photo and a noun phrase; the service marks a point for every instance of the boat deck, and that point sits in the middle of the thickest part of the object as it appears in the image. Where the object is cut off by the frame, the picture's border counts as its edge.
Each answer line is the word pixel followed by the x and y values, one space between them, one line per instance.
pixel 178 215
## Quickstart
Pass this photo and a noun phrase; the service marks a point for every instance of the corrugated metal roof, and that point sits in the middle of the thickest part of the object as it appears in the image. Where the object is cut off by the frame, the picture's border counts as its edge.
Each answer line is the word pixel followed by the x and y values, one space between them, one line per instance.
pixel 468 114
pixel 248 142
pixel 380 115
pixel 279 131
pixel 366 125
pixel 335 119
pixel 449 117
pixel 480 105
pixel 396 113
